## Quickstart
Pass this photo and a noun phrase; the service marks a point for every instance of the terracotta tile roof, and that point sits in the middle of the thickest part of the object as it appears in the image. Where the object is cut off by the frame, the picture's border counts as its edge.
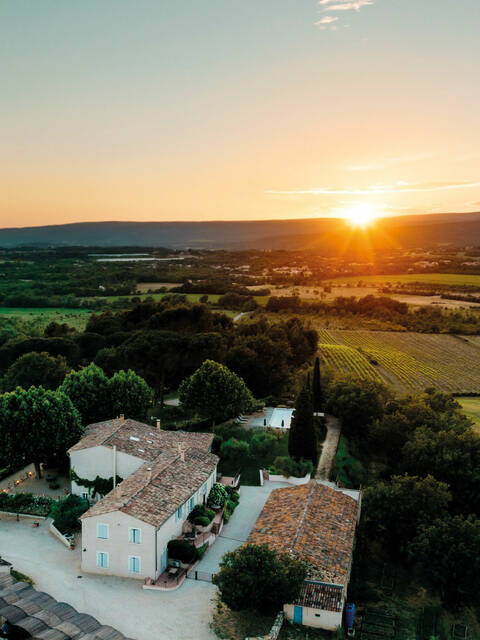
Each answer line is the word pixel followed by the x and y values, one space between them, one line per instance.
pixel 157 489
pixel 319 595
pixel 313 522
pixel 138 439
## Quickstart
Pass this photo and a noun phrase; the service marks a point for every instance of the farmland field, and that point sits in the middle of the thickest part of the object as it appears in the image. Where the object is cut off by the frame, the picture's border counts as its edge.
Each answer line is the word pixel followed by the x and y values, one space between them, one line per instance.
pixel 76 318
pixel 454 279
pixel 471 407
pixel 407 361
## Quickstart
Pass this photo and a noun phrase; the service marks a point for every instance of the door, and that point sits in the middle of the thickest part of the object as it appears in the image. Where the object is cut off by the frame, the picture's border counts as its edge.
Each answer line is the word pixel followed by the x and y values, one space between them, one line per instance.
pixel 164 561
pixel 298 614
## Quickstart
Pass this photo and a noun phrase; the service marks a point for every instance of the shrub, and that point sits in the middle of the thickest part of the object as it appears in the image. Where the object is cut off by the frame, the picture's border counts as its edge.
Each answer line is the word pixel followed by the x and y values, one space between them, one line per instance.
pixel 66 513
pixel 217 496
pixel 202 521
pixel 233 495
pixel 201 550
pixel 25 503
pixel 286 466
pixel 200 511
pixel 182 550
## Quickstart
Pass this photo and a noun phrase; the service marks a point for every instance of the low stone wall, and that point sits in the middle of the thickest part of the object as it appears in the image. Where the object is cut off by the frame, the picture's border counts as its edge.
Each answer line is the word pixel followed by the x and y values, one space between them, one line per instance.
pixel 290 480
pixel 14 514
pixel 274 631
pixel 54 531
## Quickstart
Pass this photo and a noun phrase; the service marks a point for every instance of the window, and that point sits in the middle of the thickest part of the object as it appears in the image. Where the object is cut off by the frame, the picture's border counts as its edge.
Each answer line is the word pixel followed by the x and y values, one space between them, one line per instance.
pixel 85 496
pixel 179 514
pixel 102 531
pixel 191 503
pixel 134 564
pixel 102 560
pixel 134 536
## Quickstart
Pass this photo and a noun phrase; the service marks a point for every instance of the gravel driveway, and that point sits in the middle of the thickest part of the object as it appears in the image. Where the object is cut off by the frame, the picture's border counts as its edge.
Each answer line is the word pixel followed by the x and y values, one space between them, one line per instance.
pixel 241 523
pixel 143 615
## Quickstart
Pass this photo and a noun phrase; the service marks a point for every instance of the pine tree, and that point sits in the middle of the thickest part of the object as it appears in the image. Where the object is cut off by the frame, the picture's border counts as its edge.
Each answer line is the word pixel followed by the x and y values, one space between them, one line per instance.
pixel 317 387
pixel 302 440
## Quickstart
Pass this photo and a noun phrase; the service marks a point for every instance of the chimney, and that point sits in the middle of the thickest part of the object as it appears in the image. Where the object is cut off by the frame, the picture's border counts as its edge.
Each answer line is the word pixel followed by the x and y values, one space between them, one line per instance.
pixel 149 474
pixel 159 426
pixel 121 417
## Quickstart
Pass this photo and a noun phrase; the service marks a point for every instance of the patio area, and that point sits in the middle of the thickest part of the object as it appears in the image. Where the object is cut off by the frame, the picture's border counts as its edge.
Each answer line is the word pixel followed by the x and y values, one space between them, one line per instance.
pixel 52 484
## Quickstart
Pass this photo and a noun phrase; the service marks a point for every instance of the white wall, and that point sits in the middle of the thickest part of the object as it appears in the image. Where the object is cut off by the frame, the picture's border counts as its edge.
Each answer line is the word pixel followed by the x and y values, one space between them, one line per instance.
pixel 98 461
pixel 118 546
pixel 318 618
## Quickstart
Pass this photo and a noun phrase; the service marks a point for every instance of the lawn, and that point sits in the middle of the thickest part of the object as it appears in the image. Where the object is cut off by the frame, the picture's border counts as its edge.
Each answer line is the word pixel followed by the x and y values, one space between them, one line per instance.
pixel 454 279
pixel 471 407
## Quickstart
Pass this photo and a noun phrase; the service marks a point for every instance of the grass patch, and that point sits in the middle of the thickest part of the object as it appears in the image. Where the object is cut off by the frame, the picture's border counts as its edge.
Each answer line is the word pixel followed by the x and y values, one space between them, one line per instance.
pixel 21 577
pixel 471 408
pixel 42 316
pixel 238 625
pixel 347 470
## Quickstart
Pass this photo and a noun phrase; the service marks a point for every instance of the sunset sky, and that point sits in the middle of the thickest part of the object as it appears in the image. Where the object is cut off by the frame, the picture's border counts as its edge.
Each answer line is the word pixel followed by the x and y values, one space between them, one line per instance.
pixel 215 109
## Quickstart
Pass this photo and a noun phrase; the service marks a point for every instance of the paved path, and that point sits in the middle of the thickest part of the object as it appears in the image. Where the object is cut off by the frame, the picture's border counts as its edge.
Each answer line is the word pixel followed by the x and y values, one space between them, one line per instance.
pixel 239 315
pixel 142 615
pixel 236 532
pixel 329 448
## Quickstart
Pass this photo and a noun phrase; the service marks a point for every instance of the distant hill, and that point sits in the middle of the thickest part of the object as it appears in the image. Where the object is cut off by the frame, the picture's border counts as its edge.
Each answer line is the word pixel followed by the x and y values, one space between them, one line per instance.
pixel 321 234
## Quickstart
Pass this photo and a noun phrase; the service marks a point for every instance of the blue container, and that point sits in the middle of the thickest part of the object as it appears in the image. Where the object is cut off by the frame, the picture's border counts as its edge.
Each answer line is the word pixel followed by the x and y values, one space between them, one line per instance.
pixel 349 615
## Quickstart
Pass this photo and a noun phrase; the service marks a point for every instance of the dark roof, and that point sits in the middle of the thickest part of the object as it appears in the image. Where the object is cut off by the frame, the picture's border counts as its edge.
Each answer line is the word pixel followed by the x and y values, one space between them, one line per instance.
pixel 46 619
pixel 313 522
pixel 320 595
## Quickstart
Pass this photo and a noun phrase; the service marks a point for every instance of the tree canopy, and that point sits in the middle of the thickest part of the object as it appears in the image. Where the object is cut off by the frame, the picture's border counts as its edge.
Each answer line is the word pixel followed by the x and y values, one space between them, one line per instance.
pixel 88 390
pixel 36 369
pixel 257 577
pixel 302 440
pixel 214 392
pixel 37 425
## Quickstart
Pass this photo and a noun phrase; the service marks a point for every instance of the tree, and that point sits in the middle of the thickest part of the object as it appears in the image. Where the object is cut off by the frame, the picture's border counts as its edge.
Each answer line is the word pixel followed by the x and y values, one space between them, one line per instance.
pixel 89 392
pixel 317 387
pixel 36 369
pixel 448 553
pixel 129 394
pixel 234 450
pixel 38 425
pixel 395 510
pixel 357 403
pixel 215 392
pixel 66 513
pixel 302 439
pixel 257 577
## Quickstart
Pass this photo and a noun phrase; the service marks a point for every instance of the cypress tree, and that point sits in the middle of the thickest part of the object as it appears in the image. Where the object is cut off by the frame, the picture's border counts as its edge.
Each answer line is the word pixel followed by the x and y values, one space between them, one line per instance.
pixel 317 387
pixel 302 440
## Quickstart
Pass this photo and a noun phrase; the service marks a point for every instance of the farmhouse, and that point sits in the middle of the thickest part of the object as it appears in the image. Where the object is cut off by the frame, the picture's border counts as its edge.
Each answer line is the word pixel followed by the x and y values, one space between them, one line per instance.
pixel 315 523
pixel 165 475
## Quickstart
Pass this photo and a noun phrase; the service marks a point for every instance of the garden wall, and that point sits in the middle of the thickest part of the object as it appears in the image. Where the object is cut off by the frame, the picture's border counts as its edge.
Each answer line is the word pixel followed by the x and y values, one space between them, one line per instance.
pixel 53 530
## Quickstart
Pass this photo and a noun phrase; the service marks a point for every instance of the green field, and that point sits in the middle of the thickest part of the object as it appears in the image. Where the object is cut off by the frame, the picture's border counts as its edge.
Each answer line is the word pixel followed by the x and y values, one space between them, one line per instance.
pixel 471 407
pixel 454 279
pixel 406 361
pixel 41 317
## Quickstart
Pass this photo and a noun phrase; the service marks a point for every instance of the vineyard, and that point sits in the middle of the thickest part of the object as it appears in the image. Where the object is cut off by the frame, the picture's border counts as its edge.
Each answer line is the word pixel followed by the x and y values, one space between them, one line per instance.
pixel 406 361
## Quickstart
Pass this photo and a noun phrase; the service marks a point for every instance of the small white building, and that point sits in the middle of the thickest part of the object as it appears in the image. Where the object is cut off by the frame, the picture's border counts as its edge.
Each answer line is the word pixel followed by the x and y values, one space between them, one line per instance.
pixel 316 523
pixel 165 474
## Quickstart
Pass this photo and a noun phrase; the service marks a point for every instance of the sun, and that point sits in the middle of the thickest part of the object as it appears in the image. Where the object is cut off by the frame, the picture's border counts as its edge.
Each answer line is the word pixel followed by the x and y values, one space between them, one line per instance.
pixel 361 215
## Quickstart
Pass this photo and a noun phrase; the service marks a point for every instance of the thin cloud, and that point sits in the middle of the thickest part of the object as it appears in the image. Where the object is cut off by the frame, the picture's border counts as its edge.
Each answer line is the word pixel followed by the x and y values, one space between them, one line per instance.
pixel 348 6
pixel 376 189
pixel 326 20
